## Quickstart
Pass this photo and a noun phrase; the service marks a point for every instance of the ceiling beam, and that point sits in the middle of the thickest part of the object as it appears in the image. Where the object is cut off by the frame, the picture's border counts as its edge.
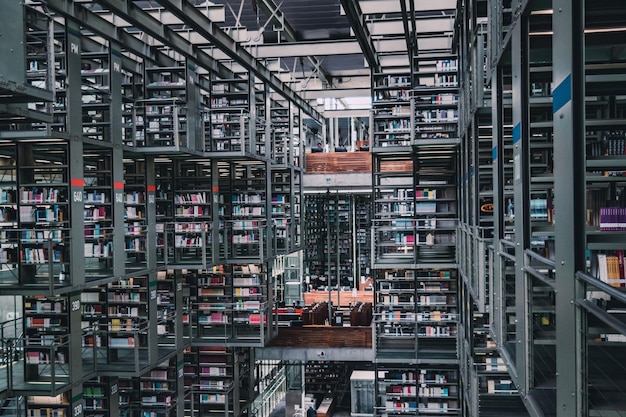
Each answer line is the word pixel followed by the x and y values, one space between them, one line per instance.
pixel 109 30
pixel 214 12
pixel 298 49
pixel 277 18
pixel 386 27
pixel 131 42
pixel 361 31
pixel 386 7
pixel 200 23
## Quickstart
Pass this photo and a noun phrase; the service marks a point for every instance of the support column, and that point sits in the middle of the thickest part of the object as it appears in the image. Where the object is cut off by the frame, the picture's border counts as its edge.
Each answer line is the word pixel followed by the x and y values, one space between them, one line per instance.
pixel 569 190
pixel 521 186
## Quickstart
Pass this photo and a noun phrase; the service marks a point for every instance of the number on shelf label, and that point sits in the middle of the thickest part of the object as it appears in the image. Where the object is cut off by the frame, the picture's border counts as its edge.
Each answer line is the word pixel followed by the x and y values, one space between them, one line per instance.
pixel 75 305
pixel 119 198
pixel 77 196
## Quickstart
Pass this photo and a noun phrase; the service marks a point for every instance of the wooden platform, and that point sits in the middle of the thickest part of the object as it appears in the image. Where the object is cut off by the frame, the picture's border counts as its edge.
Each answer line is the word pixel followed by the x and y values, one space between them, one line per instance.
pixel 345 297
pixel 323 337
pixel 333 162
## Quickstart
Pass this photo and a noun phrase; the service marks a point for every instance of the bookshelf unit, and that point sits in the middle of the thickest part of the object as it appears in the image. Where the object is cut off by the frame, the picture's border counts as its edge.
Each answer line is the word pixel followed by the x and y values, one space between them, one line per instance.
pixel 98 207
pixel 435 196
pixel 96 95
pixel 9 251
pixel 96 395
pixel 164 209
pixel 417 390
pixel 158 390
pixel 435 98
pixel 315 239
pixel 43 212
pixel 391 110
pixel 323 377
pixel 497 391
pixel 167 309
pixel 251 313
pixel 213 393
pixel 93 305
pixel 44 42
pixel 416 314
pixel 244 193
pixel 414 217
pixel 437 311
pixel 46 338
pixel 127 321
pixel 394 227
pixel 282 206
pixel 193 213
pixel 396 320
pixel 213 303
pixel 135 214
pixel 280 134
pixel 161 117
pixel 603 304
pixel 347 218
pixel 41 406
pixel 228 125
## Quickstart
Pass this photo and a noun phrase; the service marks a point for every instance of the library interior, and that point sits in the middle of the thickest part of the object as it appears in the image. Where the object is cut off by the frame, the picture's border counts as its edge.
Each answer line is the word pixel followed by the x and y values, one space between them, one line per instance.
pixel 348 208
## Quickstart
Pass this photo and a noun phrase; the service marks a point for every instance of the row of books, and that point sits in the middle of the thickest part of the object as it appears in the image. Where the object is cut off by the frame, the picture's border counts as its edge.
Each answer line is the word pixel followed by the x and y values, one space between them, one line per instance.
pixel 39 256
pixel 39 195
pixel 612 218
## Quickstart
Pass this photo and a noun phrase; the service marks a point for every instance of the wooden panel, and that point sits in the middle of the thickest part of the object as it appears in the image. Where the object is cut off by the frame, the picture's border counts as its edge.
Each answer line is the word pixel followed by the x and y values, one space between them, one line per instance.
pixel 396 166
pixel 327 163
pixel 323 336
pixel 345 297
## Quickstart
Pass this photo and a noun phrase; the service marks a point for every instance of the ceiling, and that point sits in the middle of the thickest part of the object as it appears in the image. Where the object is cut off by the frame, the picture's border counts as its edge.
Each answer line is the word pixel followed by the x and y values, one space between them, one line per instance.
pixel 322 52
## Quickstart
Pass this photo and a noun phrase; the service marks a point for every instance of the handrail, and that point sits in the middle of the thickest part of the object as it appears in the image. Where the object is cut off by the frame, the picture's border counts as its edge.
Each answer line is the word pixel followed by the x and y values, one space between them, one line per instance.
pixel 603 286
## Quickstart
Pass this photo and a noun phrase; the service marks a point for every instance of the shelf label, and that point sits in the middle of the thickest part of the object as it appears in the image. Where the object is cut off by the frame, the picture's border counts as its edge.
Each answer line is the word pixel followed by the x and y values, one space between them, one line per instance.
pixel 179 286
pixel 75 305
pixel 119 197
pixel 77 195
pixel 153 294
pixel 516 168
pixel 74 48
pixel 180 372
pixel 113 389
pixel 78 410
pixel 151 199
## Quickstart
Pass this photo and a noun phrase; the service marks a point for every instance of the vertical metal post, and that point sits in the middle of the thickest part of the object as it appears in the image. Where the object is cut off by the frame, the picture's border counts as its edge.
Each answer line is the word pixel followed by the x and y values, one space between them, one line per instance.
pixel 328 253
pixel 569 190
pixel 337 248
pixel 355 244
pixel 521 186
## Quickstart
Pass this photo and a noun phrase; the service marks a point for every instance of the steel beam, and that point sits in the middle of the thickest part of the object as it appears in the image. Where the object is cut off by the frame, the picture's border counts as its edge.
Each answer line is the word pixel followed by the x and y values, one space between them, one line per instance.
pixel 361 31
pixel 432 25
pixel 214 12
pixel 421 6
pixel 277 18
pixel 200 23
pixel 131 42
pixel 303 49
